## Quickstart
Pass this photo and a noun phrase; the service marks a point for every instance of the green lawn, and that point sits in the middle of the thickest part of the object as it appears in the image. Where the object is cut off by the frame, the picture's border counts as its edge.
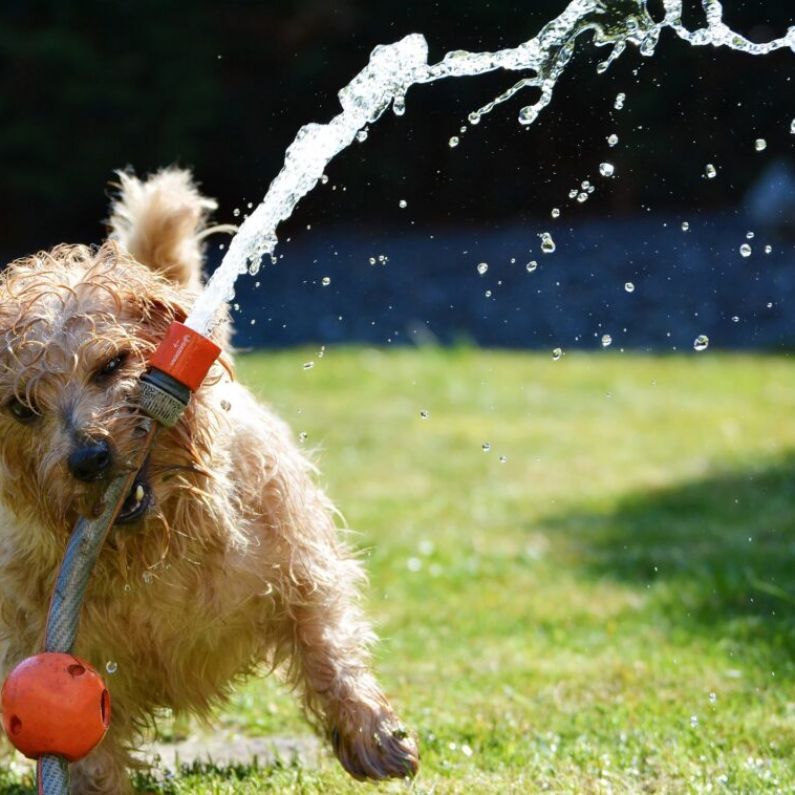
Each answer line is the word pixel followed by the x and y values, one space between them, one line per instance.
pixel 600 602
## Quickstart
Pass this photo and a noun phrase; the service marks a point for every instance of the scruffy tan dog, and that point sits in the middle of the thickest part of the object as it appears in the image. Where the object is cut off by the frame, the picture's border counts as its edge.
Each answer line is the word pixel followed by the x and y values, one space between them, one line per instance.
pixel 225 556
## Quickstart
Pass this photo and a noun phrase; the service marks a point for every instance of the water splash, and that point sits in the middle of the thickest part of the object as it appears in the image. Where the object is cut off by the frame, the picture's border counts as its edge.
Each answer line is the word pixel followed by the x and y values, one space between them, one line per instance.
pixel 394 68
pixel 701 343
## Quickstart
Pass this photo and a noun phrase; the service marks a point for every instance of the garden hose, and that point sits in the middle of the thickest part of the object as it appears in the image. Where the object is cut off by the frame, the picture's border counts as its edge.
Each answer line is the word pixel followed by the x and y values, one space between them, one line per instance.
pixel 177 369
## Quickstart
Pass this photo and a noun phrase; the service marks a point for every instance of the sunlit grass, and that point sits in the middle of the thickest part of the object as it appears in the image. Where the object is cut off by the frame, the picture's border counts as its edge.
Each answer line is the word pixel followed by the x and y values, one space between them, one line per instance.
pixel 608 607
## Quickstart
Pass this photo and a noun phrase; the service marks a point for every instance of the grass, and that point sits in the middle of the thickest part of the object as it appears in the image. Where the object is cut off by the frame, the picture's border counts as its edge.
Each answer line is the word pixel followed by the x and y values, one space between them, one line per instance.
pixel 610 609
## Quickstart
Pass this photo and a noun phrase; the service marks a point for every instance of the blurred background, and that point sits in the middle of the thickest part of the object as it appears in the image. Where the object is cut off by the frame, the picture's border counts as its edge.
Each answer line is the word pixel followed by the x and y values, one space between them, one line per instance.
pixel 89 87
pixel 581 569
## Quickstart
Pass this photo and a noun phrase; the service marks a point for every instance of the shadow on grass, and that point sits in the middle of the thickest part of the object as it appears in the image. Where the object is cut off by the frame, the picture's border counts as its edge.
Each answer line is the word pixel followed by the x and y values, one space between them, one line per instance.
pixel 716 555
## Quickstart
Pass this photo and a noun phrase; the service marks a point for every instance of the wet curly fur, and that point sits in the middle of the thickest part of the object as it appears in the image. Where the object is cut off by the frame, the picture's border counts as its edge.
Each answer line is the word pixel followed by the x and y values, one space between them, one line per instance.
pixel 236 564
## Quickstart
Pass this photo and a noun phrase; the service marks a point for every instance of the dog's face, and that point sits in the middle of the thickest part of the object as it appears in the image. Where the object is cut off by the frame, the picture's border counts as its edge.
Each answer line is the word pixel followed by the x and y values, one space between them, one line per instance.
pixel 76 329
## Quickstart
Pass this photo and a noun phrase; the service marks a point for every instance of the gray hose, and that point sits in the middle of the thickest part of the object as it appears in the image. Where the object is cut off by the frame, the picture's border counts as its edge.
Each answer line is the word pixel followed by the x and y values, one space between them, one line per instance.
pixel 63 619
pixel 81 555
pixel 162 398
pixel 52 775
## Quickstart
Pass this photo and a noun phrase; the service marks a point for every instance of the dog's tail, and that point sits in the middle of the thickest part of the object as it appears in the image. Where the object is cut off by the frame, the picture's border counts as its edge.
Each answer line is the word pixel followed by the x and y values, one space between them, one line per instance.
pixel 160 221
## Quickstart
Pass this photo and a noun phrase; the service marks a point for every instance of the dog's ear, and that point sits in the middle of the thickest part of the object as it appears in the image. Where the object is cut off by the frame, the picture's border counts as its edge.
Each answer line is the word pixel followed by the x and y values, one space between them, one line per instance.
pixel 159 221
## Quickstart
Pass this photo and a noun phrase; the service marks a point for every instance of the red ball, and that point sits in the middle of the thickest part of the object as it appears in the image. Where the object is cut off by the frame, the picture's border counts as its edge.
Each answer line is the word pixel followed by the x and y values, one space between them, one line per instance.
pixel 55 704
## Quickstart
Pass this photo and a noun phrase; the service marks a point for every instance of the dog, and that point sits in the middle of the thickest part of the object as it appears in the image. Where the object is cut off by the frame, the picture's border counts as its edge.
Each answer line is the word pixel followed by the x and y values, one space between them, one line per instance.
pixel 226 556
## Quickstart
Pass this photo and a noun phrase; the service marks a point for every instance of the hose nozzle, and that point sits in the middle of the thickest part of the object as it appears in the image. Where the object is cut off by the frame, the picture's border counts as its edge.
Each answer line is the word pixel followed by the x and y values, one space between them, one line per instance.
pixel 178 367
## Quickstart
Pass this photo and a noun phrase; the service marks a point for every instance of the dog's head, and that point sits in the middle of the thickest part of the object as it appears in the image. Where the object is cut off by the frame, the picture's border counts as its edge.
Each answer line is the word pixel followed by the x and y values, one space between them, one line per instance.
pixel 77 326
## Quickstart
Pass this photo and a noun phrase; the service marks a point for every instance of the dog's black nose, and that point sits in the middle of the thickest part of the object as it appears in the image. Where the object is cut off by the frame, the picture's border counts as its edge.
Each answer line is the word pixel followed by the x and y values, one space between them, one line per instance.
pixel 90 461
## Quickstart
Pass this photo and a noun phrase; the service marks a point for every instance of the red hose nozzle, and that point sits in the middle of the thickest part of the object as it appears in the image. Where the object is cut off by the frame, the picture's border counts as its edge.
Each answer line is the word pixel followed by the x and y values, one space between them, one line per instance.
pixel 178 367
pixel 185 355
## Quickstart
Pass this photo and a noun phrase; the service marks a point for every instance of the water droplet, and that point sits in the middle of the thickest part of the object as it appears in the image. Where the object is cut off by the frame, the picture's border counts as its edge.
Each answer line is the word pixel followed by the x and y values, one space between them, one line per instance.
pixel 236 212
pixel 619 103
pixel 528 114
pixel 792 127
pixel 694 721
pixel 607 169
pixel 488 293
pixel 486 447
pixel 760 144
pixel 745 250
pixel 749 235
pixel 403 204
pixel 414 564
pixel 612 139
pixel 768 249
pixel 531 266
pixel 503 459
pixel 685 226
pixel 372 260
pixel 582 198
pixel 547 243
pixel 466 750
pixel 303 436
pixel 361 136
pixel 324 178
pixel 326 281
pixel 483 267
pixel 556 354
pixel 573 193
pixel 474 117
pixel 710 171
pixel 555 212
pixel 226 405
pixel 701 342
pixel 629 287
pixel 425 414
pixel 148 577
pixel 607 340
pixel 111 666
pixel 308 365
pixel 426 547
pixel 713 697
pixel 453 142
pixel 735 319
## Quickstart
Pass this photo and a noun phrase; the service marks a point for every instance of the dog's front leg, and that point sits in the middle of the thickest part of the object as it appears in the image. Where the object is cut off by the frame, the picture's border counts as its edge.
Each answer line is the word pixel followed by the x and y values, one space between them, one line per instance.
pixel 326 638
pixel 340 689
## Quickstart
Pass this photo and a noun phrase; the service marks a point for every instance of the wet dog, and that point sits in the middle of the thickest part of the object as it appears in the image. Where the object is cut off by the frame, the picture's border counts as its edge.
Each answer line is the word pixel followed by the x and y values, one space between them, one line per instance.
pixel 225 557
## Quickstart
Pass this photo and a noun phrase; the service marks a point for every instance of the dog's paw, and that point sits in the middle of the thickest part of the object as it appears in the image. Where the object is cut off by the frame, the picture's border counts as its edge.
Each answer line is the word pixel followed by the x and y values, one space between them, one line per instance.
pixel 387 751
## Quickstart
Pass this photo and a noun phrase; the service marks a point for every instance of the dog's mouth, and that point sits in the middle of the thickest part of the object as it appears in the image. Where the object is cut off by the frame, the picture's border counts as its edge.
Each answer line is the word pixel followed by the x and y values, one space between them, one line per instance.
pixel 138 501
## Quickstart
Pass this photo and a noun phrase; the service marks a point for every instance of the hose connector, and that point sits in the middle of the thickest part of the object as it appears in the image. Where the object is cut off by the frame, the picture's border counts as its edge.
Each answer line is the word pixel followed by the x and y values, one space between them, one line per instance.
pixel 178 367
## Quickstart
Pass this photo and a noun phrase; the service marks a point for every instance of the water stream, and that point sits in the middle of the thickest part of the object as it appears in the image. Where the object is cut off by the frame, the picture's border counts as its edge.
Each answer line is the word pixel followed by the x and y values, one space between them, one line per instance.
pixel 394 68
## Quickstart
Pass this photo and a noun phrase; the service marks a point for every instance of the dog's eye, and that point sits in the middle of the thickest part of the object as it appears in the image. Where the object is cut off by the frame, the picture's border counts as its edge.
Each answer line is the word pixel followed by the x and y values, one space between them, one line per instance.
pixel 111 367
pixel 22 412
